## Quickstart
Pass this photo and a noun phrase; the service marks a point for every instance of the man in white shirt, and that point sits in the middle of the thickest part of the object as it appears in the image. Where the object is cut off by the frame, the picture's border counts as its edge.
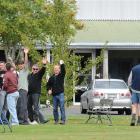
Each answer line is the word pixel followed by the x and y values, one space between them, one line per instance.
pixel 23 89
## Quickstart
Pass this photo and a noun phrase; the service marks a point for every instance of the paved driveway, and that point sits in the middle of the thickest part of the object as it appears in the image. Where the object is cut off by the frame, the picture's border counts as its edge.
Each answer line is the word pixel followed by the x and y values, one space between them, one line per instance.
pixel 72 110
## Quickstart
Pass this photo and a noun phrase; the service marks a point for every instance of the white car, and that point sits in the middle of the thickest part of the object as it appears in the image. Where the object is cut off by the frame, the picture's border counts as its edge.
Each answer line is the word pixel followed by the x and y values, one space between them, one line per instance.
pixel 114 89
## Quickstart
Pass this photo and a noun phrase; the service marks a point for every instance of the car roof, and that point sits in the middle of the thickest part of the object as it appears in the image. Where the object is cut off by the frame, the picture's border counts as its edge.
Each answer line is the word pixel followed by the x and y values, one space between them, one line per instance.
pixel 109 80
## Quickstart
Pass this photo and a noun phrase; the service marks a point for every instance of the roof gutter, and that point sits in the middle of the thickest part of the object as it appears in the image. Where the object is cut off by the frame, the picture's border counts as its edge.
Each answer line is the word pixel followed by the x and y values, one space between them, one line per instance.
pixel 96 45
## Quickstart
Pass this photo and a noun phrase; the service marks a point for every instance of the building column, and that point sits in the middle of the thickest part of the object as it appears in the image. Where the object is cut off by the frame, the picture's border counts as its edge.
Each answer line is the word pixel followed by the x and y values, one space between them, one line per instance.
pixel 48 58
pixel 105 64
pixel 48 55
pixel 94 67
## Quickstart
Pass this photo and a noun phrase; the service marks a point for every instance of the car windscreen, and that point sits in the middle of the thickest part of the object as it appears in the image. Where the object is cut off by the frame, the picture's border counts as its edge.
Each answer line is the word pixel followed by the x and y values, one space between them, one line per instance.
pixel 109 85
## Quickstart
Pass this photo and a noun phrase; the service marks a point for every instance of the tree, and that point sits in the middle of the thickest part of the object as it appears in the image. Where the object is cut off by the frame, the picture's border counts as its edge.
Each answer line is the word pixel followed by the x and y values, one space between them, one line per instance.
pixel 62 26
pixel 21 24
pixel 24 23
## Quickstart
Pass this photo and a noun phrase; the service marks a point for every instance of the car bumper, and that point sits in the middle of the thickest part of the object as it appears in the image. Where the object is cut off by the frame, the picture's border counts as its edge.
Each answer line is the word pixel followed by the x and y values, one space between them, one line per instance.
pixel 117 104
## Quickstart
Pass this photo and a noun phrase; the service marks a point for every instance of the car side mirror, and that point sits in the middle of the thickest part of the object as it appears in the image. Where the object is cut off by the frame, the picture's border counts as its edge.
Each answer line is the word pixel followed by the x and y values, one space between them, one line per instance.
pixel 84 89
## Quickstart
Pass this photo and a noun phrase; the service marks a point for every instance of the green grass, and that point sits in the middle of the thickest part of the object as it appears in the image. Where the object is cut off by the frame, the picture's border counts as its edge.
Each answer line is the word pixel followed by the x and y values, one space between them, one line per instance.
pixel 76 129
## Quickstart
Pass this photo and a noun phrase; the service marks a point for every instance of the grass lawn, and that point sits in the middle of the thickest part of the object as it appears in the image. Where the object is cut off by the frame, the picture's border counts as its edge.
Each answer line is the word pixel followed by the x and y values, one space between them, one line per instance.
pixel 76 129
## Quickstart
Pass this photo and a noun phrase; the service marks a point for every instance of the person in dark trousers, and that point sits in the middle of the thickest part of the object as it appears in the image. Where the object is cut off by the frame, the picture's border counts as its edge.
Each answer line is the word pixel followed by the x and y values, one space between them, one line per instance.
pixel 23 89
pixel 134 84
pixel 3 109
pixel 10 85
pixel 34 91
pixel 55 86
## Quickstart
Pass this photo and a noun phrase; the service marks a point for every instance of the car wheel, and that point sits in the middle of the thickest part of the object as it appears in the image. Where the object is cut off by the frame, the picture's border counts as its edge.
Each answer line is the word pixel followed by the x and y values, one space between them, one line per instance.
pixel 128 112
pixel 83 111
pixel 120 112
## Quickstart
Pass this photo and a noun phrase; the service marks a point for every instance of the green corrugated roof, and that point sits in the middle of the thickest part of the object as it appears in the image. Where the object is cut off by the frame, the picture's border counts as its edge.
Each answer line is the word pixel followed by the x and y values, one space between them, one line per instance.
pixel 112 31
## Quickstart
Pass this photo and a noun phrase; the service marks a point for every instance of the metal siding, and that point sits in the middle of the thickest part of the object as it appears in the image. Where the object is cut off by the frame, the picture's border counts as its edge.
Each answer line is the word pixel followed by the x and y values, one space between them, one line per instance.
pixel 111 31
pixel 108 9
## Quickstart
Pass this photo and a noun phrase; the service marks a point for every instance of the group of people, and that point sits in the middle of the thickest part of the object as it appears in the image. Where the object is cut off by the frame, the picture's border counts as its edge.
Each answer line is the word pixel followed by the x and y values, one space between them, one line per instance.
pixel 20 91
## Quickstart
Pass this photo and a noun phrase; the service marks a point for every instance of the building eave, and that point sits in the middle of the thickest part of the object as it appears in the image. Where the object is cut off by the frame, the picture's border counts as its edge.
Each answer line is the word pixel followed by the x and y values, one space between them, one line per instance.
pixel 98 45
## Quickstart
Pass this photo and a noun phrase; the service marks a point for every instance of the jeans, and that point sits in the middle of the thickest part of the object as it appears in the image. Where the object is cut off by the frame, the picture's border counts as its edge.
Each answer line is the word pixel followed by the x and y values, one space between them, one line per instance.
pixel 2 99
pixel 135 98
pixel 33 107
pixel 58 100
pixel 3 105
pixel 12 103
pixel 22 111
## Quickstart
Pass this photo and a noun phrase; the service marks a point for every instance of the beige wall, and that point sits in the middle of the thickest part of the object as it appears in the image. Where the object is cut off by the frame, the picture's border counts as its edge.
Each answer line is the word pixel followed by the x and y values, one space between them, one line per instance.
pixel 108 9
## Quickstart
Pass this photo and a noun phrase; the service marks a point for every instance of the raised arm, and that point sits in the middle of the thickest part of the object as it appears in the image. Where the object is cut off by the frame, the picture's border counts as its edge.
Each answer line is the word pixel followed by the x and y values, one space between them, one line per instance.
pixel 63 70
pixel 49 84
pixel 43 69
pixel 26 51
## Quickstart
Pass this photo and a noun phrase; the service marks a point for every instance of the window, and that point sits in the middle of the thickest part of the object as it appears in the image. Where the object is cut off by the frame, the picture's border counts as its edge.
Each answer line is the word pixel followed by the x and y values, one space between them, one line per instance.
pixel 110 85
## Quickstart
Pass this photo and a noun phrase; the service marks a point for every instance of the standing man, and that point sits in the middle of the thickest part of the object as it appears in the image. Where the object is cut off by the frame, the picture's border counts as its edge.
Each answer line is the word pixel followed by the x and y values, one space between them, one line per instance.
pixel 11 87
pixel 134 83
pixel 55 86
pixel 2 92
pixel 22 110
pixel 34 91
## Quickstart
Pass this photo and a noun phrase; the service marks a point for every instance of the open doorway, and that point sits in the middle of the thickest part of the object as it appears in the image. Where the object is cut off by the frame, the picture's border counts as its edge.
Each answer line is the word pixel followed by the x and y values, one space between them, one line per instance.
pixel 121 63
pixel 83 80
pixel 2 55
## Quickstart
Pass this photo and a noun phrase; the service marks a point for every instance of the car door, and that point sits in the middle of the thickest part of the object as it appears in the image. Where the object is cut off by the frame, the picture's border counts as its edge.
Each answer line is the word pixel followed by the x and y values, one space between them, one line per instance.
pixel 88 95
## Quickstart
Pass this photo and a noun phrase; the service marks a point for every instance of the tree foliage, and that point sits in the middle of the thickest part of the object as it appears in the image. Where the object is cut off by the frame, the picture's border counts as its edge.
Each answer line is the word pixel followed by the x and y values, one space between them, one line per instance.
pixel 25 23
pixel 62 25
pixel 21 24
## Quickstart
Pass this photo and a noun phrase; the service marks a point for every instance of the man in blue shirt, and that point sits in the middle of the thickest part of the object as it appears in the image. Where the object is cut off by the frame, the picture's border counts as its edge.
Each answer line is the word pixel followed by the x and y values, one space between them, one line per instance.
pixel 134 84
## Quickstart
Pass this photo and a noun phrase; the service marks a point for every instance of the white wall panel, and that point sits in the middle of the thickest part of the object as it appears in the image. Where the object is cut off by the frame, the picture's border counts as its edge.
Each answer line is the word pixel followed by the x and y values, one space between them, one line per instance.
pixel 108 9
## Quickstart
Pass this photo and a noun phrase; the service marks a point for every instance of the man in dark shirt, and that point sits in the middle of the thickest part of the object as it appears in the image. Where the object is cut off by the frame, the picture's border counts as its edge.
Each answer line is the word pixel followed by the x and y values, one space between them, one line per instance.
pixel 55 86
pixel 34 91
